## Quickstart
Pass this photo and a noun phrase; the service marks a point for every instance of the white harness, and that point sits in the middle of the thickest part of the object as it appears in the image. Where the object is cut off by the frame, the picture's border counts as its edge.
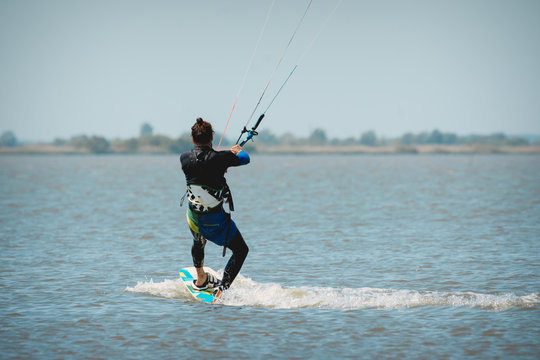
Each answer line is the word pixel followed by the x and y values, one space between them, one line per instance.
pixel 204 198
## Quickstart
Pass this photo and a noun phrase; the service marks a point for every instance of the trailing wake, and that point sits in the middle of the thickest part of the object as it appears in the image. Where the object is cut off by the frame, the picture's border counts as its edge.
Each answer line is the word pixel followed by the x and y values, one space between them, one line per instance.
pixel 246 292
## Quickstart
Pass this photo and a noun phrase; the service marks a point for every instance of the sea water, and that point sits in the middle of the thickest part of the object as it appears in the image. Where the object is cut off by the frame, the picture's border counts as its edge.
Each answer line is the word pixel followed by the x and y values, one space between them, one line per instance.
pixel 351 256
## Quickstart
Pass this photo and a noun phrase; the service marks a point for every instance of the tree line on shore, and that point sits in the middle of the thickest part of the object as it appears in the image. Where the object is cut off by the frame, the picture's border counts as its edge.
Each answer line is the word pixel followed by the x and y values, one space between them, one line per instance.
pixel 150 142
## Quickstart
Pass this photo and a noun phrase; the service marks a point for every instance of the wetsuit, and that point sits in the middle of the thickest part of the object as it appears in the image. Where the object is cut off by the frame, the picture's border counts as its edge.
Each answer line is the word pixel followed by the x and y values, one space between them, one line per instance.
pixel 207 191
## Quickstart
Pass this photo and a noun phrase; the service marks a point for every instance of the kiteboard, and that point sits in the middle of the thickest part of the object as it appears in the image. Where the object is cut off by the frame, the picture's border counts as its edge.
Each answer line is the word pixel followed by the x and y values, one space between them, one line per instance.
pixel 187 275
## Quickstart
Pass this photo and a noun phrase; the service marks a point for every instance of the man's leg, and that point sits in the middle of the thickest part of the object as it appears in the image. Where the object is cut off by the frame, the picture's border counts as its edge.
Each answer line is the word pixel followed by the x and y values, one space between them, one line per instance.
pixel 240 251
pixel 197 253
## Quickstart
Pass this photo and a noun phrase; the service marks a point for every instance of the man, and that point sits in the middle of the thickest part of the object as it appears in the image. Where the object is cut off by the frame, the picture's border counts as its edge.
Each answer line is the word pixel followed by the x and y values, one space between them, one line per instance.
pixel 207 190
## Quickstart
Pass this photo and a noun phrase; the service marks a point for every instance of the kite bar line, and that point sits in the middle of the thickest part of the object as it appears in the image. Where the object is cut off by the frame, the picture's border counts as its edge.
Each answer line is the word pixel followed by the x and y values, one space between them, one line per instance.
pixel 308 48
pixel 281 87
pixel 277 65
pixel 304 54
pixel 247 70
pixel 253 131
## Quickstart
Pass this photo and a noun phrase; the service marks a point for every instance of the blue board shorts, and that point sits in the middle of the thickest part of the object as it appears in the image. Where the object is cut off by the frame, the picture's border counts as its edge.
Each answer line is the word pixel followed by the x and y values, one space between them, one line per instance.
pixel 218 227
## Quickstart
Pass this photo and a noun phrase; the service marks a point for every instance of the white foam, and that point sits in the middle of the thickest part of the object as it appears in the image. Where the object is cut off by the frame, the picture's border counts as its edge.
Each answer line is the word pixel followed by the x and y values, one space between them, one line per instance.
pixel 246 292
pixel 170 289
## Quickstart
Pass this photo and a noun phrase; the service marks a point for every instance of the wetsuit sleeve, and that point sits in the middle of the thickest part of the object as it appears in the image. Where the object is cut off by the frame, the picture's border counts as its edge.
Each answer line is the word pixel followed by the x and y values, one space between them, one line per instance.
pixel 229 159
pixel 244 157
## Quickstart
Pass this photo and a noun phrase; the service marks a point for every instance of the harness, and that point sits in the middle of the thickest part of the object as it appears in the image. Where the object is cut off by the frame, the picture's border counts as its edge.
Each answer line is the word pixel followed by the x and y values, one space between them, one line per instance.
pixel 204 199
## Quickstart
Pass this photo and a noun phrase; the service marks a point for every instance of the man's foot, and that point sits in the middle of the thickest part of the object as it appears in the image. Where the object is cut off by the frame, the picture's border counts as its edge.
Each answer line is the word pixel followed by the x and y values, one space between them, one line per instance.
pixel 210 283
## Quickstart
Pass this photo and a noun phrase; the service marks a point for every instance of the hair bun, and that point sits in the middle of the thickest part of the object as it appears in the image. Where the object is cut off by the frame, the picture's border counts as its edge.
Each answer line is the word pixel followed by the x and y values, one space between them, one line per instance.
pixel 202 132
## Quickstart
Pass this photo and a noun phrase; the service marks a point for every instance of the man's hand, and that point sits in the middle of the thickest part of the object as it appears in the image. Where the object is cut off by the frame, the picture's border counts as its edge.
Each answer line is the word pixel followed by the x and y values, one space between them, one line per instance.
pixel 236 149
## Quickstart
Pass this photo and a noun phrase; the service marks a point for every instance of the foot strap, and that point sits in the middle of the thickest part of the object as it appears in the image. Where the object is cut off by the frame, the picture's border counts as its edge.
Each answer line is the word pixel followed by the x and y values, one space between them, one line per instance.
pixel 210 283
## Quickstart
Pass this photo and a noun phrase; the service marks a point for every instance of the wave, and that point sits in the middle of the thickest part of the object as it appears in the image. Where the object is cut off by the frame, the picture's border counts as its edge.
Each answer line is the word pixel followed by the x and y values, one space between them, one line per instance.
pixel 246 292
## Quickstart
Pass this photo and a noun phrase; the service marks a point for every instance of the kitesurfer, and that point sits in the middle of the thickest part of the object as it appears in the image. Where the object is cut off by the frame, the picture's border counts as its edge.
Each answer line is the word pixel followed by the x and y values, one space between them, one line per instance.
pixel 207 190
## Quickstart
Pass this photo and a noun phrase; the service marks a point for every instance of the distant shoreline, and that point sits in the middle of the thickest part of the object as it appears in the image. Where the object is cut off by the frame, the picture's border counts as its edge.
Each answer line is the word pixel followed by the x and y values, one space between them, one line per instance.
pixel 297 149
pixel 400 149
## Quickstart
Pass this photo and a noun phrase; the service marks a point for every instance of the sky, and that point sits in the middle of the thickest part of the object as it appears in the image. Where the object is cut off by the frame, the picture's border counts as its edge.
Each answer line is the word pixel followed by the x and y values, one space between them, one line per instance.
pixel 105 67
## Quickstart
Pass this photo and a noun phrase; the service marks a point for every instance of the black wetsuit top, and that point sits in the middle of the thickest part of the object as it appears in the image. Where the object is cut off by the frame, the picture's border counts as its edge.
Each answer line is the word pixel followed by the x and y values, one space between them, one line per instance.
pixel 205 166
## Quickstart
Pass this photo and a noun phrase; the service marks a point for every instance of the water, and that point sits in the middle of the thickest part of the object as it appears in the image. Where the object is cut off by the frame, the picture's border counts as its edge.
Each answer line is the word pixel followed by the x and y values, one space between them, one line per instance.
pixel 350 256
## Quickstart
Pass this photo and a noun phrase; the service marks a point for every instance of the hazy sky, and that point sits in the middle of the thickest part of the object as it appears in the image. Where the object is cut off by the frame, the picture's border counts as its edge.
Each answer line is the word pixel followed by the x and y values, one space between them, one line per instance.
pixel 105 67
